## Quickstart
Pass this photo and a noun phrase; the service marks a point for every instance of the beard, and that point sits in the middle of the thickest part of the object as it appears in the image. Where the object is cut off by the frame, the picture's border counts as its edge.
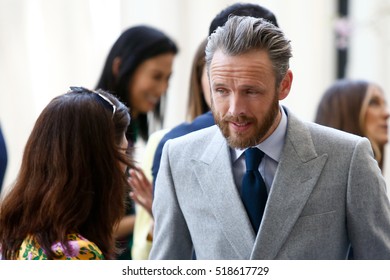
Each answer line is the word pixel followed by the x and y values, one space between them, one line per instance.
pixel 238 139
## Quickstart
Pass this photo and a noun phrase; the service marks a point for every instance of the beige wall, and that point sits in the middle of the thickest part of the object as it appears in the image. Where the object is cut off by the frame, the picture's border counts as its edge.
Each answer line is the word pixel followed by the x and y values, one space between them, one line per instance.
pixel 47 45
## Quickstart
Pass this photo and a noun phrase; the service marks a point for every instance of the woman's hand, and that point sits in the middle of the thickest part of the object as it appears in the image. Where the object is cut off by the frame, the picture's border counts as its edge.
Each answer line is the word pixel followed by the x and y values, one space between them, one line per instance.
pixel 142 189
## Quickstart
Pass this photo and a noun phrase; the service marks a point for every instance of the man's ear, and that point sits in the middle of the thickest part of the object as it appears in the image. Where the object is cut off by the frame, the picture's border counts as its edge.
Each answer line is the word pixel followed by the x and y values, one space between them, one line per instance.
pixel 285 85
pixel 116 63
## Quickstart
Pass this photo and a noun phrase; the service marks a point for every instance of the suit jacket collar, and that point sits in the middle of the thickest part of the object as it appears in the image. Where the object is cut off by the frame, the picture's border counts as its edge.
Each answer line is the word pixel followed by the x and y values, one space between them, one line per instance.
pixel 297 174
pixel 214 172
pixel 298 171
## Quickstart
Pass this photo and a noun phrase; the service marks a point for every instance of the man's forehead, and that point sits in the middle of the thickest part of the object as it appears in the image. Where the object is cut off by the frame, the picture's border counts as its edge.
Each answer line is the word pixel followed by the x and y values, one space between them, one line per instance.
pixel 252 61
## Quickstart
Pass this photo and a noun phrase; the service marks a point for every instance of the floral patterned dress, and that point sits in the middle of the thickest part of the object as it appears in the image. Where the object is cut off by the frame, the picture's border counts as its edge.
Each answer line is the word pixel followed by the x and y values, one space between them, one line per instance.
pixel 80 249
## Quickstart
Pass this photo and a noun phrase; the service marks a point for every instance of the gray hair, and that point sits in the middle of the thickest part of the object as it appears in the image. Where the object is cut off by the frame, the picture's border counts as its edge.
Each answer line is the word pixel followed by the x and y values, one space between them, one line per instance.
pixel 242 34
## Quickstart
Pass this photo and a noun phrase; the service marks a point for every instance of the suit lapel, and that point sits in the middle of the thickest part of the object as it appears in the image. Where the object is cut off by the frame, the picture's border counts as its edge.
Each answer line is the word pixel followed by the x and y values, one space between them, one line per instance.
pixel 298 171
pixel 215 175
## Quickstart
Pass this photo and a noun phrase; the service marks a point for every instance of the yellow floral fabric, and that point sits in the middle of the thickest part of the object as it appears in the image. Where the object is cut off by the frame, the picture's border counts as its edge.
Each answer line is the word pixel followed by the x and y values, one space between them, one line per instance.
pixel 80 249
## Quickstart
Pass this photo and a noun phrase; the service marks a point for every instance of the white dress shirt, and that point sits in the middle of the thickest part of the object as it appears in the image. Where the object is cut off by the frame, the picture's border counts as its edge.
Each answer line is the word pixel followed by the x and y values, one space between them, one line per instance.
pixel 272 148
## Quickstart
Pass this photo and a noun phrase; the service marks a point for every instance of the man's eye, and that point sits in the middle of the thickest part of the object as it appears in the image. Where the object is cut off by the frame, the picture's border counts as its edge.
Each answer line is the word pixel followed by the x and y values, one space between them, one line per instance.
pixel 220 91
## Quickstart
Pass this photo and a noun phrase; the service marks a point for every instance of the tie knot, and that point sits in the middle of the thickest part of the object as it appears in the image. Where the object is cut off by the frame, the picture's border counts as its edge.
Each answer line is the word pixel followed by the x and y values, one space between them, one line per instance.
pixel 253 157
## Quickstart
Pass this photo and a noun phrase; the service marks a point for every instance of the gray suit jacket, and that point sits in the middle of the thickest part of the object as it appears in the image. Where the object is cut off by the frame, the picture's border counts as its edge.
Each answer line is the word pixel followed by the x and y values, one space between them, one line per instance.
pixel 328 193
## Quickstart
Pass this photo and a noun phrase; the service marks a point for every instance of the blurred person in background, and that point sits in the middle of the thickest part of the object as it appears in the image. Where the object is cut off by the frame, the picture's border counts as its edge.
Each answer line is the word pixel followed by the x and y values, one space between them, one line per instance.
pixel 358 107
pixel 137 70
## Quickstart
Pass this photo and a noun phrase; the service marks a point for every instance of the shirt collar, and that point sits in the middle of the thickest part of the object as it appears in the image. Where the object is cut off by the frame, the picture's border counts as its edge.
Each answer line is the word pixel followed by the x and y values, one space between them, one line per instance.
pixel 273 145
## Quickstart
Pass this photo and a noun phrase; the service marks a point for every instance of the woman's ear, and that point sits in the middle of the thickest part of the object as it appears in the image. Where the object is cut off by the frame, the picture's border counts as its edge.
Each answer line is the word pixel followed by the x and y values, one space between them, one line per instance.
pixel 285 85
pixel 115 66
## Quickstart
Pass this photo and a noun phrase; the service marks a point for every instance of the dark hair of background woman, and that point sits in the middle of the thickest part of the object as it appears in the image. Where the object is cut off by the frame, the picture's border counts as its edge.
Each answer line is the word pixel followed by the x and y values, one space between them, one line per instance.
pixel 134 46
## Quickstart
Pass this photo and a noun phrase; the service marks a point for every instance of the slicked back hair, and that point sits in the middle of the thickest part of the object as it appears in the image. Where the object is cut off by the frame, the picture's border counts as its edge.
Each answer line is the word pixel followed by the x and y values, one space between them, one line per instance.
pixel 243 34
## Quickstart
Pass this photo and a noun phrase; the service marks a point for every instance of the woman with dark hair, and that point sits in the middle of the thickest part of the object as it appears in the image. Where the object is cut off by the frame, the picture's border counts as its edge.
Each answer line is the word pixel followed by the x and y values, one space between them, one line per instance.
pixel 72 173
pixel 137 70
pixel 358 107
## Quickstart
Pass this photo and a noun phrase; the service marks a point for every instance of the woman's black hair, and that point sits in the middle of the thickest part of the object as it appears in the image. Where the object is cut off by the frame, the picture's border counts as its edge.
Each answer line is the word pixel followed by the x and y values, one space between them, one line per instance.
pixel 134 46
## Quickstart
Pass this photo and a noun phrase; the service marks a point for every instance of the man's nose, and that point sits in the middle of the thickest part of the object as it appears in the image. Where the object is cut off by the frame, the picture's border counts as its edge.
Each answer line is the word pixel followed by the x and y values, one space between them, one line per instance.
pixel 236 104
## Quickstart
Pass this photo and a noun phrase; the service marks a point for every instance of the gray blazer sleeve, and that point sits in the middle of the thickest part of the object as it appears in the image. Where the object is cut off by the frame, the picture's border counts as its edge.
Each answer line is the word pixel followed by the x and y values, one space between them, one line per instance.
pixel 171 238
pixel 368 210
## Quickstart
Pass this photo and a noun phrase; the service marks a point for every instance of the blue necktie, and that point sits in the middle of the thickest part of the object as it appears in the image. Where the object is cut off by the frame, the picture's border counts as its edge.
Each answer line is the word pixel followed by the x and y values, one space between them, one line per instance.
pixel 253 190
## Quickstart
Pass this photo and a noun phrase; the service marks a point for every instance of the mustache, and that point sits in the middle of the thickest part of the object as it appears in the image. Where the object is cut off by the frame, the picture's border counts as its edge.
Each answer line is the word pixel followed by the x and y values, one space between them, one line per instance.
pixel 238 119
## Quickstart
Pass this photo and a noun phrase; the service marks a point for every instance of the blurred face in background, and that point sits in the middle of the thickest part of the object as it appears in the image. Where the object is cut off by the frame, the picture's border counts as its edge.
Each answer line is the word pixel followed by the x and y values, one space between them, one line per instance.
pixel 150 81
pixel 376 115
